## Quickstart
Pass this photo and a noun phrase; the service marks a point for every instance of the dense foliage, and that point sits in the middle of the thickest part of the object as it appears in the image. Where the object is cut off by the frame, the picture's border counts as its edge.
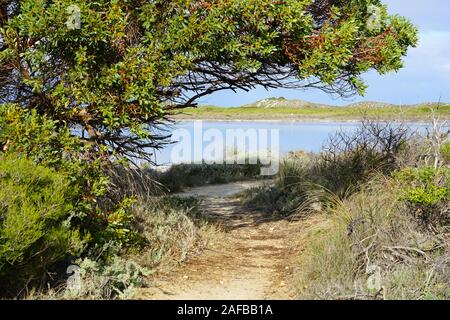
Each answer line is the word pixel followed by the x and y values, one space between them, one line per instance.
pixel 427 192
pixel 126 64
pixel 36 204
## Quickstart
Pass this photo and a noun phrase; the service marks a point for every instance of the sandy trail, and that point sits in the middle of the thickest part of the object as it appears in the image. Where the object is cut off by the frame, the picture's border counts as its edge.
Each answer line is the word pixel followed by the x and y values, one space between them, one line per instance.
pixel 255 261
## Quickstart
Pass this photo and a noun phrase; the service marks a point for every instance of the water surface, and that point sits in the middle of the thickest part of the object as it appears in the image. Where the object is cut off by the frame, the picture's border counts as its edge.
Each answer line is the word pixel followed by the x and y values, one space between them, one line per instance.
pixel 293 136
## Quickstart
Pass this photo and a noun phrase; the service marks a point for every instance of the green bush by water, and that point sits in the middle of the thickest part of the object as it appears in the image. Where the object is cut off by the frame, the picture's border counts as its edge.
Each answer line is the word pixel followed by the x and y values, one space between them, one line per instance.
pixel 36 204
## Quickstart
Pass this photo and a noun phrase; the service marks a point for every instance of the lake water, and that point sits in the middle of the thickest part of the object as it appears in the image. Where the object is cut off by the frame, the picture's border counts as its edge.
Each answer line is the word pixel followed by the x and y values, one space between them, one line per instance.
pixel 290 136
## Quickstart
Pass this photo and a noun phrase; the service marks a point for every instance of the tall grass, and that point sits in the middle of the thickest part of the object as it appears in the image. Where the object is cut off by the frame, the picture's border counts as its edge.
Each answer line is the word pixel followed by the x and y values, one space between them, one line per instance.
pixel 347 161
pixel 171 227
pixel 372 234
pixel 173 230
pixel 383 213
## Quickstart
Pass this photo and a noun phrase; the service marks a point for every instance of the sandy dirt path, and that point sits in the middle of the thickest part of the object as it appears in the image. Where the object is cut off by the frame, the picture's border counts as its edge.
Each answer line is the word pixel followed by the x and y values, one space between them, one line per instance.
pixel 256 260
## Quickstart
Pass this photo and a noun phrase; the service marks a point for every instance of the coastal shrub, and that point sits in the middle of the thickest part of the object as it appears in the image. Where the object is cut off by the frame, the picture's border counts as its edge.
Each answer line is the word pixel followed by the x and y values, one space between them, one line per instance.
pixel 295 169
pixel 98 209
pixel 72 197
pixel 289 189
pixel 115 279
pixel 427 192
pixel 271 199
pixel 173 228
pixel 181 176
pixel 350 158
pixel 36 204
pixel 372 248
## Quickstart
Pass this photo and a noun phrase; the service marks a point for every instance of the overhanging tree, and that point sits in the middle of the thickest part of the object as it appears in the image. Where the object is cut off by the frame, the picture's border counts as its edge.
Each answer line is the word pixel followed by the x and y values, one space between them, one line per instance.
pixel 129 63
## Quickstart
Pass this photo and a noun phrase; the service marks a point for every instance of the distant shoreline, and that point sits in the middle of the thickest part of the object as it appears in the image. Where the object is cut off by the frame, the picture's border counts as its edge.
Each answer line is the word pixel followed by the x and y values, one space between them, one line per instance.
pixel 179 118
pixel 282 110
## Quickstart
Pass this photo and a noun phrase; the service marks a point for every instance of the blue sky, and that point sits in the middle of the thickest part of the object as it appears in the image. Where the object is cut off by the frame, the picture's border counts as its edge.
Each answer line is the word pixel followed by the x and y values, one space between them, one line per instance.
pixel 425 77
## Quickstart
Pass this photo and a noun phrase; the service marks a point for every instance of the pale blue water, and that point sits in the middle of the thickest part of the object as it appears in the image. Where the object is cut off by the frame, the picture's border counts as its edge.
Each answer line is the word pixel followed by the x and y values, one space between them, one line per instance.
pixel 307 136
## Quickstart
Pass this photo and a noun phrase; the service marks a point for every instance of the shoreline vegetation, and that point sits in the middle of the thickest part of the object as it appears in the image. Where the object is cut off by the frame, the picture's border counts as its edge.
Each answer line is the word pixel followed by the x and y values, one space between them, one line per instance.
pixel 281 109
pixel 352 239
pixel 87 95
pixel 380 199
pixel 357 241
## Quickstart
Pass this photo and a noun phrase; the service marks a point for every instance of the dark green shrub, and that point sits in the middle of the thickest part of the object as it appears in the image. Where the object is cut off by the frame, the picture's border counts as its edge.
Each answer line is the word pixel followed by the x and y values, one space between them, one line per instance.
pixel 35 207
pixel 101 209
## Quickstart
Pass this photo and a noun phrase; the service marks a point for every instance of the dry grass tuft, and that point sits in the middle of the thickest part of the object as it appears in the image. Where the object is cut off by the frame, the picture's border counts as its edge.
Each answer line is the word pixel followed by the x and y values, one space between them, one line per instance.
pixel 371 247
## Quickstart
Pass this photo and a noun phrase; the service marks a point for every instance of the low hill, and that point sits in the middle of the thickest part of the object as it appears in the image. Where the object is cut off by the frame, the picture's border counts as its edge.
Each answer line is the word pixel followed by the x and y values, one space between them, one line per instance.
pixel 284 103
